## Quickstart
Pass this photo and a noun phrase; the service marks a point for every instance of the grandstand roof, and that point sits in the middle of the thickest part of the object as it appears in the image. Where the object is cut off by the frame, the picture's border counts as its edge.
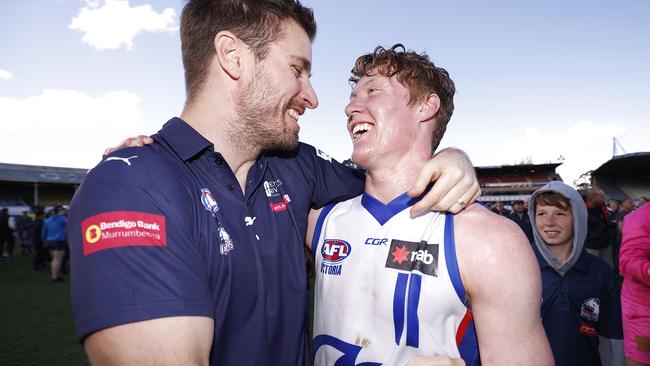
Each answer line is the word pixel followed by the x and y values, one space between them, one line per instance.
pixel 636 163
pixel 519 167
pixel 40 174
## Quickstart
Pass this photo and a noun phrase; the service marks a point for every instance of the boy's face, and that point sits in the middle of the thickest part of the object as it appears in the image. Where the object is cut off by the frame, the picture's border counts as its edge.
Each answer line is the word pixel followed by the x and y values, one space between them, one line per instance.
pixel 554 224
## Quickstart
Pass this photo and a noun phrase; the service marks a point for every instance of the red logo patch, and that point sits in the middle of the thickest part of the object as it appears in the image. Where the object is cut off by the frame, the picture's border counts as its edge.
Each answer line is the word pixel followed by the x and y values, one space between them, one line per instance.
pixel 588 330
pixel 122 229
pixel 277 207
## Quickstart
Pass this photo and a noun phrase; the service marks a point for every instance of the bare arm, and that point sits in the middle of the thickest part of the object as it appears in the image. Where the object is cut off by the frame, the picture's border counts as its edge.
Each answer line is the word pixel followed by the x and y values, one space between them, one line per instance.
pixel 455 186
pixel 502 278
pixel 311 225
pixel 165 341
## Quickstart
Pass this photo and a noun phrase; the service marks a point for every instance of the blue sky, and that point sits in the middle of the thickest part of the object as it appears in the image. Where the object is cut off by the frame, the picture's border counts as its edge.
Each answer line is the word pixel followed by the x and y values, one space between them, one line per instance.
pixel 535 80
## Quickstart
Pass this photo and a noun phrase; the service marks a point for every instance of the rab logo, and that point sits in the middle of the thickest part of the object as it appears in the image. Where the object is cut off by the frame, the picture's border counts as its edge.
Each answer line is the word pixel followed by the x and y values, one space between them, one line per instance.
pixel 413 256
pixel 122 229
pixel 335 251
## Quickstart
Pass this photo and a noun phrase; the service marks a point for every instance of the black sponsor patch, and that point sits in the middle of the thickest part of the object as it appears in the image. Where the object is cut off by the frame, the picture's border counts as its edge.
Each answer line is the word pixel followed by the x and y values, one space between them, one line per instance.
pixel 413 256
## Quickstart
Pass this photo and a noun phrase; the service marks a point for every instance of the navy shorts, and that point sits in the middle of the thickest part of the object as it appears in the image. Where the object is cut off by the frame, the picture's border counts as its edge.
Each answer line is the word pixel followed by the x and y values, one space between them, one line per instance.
pixel 56 244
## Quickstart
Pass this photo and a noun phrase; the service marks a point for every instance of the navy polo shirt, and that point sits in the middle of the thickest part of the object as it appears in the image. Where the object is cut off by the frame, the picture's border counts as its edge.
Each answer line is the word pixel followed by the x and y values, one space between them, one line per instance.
pixel 578 307
pixel 165 230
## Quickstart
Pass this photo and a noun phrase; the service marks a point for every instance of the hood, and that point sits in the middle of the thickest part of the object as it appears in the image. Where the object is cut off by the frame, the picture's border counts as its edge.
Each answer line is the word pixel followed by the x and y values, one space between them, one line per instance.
pixel 579 226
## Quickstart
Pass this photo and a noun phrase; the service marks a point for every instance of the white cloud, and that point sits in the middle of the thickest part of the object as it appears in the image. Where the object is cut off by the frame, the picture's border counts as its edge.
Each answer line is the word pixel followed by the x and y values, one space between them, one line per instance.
pixel 66 127
pixel 5 75
pixel 116 23
pixel 584 145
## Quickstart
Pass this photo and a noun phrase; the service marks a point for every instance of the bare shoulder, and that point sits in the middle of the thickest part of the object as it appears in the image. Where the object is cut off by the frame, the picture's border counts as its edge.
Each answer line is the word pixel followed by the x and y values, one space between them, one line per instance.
pixel 476 226
pixel 491 247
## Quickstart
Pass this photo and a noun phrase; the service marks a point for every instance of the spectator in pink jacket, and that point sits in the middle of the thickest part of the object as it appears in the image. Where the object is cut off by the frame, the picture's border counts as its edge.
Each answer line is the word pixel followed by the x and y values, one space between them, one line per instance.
pixel 635 296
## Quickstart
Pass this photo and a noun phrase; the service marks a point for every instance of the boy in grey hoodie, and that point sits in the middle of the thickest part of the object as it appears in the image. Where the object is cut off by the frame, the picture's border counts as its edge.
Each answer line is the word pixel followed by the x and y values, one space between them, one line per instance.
pixel 580 300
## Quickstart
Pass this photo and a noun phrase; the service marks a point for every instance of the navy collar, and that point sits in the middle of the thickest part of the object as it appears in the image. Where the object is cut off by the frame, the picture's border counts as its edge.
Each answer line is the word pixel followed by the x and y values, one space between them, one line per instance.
pixel 384 212
pixel 582 264
pixel 183 139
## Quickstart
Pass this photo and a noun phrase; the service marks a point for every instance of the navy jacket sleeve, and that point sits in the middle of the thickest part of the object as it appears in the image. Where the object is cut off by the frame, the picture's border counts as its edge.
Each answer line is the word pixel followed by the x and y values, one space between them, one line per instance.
pixel 610 323
pixel 133 251
pixel 332 181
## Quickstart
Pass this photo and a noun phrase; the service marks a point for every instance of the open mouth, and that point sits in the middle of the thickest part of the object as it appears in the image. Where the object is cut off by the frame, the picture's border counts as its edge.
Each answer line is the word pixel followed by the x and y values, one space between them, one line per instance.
pixel 360 129
pixel 293 114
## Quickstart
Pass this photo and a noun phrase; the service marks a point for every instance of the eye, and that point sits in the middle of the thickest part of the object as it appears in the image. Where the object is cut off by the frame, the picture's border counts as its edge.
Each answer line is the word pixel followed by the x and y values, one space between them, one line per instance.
pixel 296 70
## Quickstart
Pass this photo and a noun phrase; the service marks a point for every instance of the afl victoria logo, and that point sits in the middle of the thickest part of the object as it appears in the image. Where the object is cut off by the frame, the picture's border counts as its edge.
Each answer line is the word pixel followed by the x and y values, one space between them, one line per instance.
pixel 335 250
pixel 93 234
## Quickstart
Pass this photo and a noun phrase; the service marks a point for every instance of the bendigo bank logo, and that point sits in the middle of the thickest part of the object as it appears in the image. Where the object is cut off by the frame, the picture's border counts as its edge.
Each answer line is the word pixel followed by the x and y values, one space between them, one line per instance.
pixel 122 229
pixel 334 251
pixel 413 256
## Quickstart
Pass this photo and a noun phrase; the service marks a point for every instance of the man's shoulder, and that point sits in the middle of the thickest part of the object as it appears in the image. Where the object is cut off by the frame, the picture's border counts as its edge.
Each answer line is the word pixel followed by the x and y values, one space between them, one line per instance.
pixel 137 165
pixel 478 230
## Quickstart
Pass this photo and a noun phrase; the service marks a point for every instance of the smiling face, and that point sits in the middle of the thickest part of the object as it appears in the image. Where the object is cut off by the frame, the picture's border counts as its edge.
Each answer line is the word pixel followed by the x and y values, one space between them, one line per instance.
pixel 381 122
pixel 278 91
pixel 554 224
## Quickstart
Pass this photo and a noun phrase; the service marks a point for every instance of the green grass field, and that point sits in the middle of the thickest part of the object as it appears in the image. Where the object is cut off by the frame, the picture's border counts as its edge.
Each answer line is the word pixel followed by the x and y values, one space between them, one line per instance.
pixel 35 318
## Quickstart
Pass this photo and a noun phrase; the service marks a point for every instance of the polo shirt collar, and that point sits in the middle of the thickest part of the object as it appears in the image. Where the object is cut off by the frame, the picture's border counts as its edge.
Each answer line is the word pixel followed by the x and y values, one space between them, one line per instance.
pixel 582 264
pixel 183 139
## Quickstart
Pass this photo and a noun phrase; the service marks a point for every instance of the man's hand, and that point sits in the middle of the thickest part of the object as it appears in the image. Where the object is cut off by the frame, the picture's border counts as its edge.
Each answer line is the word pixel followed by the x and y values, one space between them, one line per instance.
pixel 137 141
pixel 455 186
pixel 436 361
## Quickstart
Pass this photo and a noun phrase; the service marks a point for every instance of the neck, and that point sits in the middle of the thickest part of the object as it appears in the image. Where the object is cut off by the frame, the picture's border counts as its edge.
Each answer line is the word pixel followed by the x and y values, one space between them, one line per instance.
pixel 562 251
pixel 218 126
pixel 388 181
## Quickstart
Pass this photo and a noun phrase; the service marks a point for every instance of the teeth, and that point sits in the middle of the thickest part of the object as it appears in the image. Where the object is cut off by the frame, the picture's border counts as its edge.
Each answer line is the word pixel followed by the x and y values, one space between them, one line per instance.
pixel 360 128
pixel 293 113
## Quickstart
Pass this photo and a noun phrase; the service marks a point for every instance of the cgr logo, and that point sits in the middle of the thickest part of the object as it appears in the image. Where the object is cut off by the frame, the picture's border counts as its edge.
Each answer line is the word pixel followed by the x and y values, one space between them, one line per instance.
pixel 376 241
pixel 335 250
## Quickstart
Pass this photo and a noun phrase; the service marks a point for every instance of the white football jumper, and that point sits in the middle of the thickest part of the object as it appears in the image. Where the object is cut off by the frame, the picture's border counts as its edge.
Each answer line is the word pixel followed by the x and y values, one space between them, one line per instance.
pixel 387 286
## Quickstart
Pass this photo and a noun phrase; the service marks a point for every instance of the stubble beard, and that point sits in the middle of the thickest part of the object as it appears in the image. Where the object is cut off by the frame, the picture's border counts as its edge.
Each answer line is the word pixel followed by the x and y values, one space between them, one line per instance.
pixel 260 124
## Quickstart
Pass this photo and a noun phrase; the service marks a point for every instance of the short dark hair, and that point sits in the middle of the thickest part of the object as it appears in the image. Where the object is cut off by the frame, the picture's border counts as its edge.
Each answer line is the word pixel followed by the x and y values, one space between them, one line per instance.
pixel 417 73
pixel 551 198
pixel 256 22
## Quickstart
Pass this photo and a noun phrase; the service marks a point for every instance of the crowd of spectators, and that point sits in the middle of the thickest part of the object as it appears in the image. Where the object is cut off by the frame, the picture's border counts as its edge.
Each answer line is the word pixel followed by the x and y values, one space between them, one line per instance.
pixel 39 233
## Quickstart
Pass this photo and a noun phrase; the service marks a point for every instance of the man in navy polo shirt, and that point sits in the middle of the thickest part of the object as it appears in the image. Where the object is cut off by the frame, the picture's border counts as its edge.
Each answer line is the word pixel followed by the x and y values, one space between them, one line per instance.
pixel 190 250
pixel 580 300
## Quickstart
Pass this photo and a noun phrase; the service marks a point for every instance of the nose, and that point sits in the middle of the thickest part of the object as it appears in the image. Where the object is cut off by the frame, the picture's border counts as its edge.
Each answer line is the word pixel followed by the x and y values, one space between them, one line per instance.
pixel 309 96
pixel 353 107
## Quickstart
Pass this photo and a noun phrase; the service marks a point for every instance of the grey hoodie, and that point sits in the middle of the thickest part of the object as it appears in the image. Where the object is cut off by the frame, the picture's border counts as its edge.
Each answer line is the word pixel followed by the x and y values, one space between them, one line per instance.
pixel 579 226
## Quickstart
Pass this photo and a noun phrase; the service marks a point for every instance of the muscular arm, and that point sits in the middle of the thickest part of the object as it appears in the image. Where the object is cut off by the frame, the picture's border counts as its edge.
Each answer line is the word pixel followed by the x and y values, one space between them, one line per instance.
pixel 502 278
pixel 164 341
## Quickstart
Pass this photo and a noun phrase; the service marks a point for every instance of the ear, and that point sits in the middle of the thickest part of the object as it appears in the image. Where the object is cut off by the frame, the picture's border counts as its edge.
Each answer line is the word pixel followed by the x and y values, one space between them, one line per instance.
pixel 429 108
pixel 229 50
